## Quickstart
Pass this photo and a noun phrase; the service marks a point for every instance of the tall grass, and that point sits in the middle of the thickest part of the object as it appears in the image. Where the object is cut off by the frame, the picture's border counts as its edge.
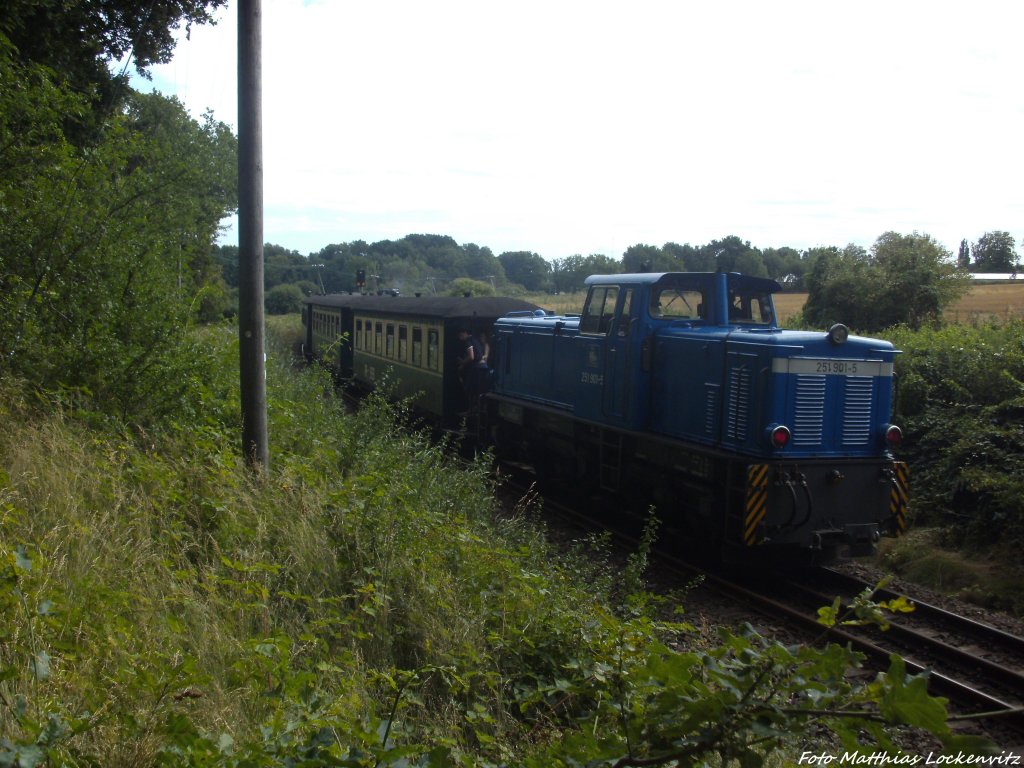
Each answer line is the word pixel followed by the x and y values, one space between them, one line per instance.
pixel 361 603
pixel 169 593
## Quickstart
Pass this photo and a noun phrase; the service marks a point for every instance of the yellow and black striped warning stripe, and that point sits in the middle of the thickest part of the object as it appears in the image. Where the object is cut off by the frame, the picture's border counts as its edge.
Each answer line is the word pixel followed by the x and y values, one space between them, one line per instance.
pixel 757 502
pixel 898 496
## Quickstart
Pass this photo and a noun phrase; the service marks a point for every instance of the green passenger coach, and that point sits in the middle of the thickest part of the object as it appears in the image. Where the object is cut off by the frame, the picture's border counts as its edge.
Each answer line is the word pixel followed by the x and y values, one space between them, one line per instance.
pixel 409 341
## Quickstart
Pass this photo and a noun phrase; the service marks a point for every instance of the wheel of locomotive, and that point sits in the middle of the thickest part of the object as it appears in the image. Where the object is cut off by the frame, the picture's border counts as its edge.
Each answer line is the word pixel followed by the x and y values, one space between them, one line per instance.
pixel 506 441
pixel 544 460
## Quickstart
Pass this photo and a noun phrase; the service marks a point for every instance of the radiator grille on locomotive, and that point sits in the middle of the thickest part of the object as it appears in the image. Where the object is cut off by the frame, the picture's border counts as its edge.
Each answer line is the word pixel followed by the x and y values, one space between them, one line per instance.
pixel 739 403
pixel 857 410
pixel 809 409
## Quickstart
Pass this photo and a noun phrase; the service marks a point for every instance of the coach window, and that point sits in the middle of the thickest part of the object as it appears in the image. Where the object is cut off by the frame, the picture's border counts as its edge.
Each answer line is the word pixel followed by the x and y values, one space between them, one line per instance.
pixel 378 337
pixel 403 343
pixel 368 340
pixel 389 350
pixel 432 349
pixel 599 310
pixel 417 346
pixel 359 334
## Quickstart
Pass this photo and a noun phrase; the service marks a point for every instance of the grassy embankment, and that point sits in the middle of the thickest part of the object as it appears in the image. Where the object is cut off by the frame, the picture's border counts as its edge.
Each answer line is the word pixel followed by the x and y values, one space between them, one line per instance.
pixel 173 609
pixel 361 604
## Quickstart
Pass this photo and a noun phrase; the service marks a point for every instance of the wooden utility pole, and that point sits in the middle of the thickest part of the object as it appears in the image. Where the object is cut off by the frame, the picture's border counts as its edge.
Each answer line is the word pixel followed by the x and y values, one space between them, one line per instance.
pixel 251 330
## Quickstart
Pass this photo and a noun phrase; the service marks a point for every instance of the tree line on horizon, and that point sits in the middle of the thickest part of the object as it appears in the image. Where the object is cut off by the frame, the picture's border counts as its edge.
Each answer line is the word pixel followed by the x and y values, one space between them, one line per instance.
pixel 438 264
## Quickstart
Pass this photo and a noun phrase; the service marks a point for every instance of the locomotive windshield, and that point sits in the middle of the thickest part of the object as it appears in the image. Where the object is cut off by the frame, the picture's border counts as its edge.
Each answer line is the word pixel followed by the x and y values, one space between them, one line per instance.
pixel 678 303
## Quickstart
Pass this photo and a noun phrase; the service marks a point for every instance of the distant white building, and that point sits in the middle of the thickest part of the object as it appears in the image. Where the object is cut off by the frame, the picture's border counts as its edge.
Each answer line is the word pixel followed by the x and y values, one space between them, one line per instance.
pixel 994 277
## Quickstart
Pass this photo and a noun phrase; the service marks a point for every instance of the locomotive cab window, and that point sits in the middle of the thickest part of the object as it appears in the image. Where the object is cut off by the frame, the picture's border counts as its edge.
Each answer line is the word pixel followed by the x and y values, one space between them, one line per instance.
pixel 677 303
pixel 751 308
pixel 599 310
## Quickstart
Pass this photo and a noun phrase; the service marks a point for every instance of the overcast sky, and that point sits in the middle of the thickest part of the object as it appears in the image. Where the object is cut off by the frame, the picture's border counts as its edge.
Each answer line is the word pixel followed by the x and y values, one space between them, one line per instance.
pixel 564 127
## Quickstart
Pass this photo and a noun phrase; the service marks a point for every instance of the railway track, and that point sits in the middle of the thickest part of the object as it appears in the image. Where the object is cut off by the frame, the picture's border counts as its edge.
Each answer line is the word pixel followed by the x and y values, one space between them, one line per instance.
pixel 970 661
pixel 978 667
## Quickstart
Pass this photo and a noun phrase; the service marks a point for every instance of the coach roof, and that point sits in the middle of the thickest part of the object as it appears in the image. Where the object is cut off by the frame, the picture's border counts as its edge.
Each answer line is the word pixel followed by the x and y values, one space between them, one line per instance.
pixel 428 306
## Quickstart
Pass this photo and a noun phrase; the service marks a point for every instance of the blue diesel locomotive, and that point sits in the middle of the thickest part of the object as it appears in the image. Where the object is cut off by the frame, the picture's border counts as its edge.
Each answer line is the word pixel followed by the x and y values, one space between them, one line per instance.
pixel 680 388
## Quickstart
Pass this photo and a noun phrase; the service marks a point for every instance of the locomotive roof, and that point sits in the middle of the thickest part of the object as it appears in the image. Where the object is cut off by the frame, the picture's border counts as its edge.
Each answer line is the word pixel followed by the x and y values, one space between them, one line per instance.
pixel 736 279
pixel 431 306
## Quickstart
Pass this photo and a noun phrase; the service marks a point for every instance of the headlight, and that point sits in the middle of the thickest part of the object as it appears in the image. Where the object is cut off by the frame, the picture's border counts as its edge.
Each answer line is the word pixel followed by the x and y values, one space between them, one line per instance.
pixel 838 334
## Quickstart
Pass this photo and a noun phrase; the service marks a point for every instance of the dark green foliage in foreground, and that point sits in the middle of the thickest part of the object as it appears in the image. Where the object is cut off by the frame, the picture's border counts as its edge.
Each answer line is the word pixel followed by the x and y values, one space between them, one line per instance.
pixel 961 402
pixel 361 605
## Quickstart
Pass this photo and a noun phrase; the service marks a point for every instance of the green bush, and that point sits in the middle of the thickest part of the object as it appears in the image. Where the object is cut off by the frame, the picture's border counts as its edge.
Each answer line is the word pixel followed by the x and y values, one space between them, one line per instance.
pixel 961 402
pixel 284 299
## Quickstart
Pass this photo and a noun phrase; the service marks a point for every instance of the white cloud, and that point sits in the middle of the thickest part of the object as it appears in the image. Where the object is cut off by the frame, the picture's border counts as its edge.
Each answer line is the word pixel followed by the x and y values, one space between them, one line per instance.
pixel 579 127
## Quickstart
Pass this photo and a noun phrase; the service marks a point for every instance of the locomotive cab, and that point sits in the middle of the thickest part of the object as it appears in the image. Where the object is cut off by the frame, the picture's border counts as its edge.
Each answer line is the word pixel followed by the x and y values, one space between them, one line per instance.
pixel 625 316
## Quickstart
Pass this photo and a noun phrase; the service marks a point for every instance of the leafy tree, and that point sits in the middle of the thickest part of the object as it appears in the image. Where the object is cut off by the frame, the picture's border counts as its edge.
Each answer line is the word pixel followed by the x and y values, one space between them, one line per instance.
pixel 77 39
pixel 647 258
pixel 906 279
pixel 481 264
pixel 226 257
pixel 599 264
pixel 919 279
pixel 995 252
pixel 731 254
pixel 838 286
pixel 963 259
pixel 690 258
pixel 684 258
pixel 784 264
pixel 526 268
pixel 463 285
pixel 282 266
pixel 569 273
pixel 750 263
pixel 284 299
pixel 106 251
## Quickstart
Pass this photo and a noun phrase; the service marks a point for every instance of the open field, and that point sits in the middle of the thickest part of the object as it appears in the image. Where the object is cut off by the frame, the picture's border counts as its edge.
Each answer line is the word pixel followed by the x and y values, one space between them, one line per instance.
pixel 1002 301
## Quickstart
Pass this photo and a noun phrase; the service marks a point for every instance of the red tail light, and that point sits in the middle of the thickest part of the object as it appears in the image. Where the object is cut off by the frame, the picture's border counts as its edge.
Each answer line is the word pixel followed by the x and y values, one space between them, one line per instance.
pixel 780 437
pixel 893 436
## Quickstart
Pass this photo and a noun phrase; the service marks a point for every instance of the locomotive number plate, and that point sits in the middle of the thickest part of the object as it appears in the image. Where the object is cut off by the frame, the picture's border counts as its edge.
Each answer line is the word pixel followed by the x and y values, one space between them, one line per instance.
pixel 831 366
